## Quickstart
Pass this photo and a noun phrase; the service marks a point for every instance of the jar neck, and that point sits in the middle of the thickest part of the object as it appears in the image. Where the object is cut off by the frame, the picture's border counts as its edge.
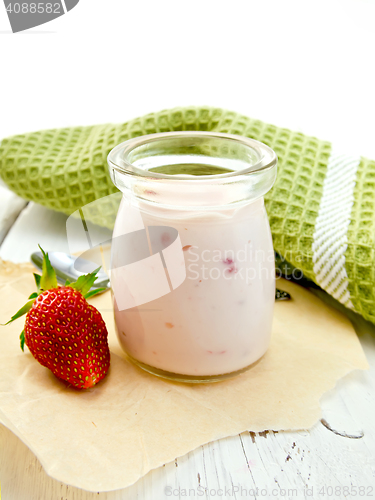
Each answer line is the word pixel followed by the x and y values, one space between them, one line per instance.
pixel 174 169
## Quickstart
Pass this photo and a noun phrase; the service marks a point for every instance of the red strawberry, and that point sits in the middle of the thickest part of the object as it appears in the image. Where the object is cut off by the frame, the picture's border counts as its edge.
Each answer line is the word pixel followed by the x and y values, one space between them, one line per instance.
pixel 63 331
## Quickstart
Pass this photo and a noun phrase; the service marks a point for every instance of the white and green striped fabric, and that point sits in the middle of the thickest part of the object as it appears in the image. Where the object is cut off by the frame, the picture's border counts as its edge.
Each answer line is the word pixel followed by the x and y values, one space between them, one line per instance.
pixel 330 240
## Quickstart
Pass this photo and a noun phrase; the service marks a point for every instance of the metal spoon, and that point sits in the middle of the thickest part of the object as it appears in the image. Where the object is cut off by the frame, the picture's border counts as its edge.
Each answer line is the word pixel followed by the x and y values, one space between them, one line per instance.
pixel 64 265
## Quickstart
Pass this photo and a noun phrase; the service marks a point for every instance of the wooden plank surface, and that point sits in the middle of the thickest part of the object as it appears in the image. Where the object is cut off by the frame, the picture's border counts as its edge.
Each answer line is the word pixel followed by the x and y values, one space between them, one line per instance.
pixel 264 465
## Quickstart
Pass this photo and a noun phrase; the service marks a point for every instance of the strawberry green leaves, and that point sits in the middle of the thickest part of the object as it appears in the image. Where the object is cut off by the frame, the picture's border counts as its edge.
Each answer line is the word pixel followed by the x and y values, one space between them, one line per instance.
pixel 37 278
pixel 44 282
pixel 91 293
pixel 22 340
pixel 24 309
pixel 48 279
pixel 85 282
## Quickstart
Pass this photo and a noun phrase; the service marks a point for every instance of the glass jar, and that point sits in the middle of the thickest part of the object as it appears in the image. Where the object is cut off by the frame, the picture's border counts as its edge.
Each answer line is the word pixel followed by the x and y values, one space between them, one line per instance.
pixel 192 264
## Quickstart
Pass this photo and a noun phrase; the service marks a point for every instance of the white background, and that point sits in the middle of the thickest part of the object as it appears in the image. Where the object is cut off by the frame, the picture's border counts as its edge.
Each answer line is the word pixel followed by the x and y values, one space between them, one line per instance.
pixel 307 65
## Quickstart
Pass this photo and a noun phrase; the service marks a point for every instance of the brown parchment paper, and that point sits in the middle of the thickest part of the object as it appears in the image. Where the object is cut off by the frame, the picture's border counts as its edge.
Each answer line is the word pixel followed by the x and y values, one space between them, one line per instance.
pixel 109 436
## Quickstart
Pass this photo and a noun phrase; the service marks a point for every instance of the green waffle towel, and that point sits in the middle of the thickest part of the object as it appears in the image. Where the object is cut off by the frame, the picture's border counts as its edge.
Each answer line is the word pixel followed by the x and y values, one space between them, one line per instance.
pixel 321 208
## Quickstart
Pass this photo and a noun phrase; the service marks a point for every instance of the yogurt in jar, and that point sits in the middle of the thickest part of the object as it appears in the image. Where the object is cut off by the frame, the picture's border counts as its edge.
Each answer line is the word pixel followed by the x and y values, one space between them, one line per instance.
pixel 217 321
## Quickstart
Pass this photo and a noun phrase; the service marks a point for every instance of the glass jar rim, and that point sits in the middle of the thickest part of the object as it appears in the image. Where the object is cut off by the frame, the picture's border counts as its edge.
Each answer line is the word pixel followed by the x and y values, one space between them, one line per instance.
pixel 118 157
